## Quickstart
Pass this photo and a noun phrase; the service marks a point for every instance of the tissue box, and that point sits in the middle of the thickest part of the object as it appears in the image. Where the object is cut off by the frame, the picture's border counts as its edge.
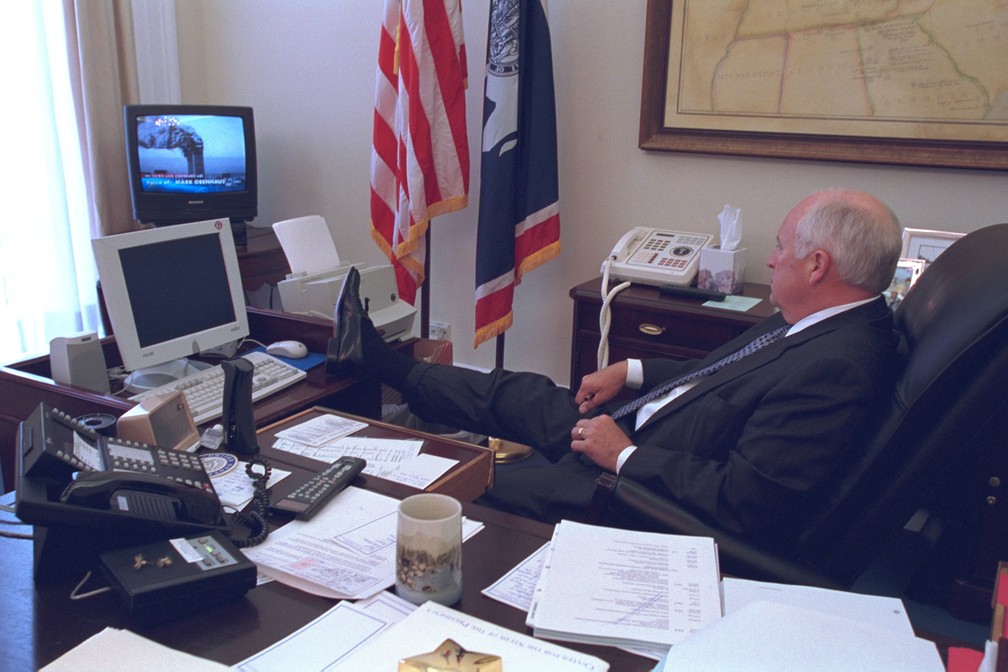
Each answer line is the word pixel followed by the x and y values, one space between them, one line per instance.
pixel 721 270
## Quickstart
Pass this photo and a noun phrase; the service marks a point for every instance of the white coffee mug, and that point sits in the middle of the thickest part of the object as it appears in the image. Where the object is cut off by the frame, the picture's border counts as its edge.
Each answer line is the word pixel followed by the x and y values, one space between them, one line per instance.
pixel 429 549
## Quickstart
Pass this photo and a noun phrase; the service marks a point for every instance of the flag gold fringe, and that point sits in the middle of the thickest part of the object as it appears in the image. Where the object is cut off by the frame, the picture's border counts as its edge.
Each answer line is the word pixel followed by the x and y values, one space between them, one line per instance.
pixel 529 263
pixel 534 261
pixel 493 330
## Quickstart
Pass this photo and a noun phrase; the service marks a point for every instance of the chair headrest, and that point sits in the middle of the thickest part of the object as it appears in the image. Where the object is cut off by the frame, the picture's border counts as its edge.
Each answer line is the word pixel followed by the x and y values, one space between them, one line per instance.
pixel 961 296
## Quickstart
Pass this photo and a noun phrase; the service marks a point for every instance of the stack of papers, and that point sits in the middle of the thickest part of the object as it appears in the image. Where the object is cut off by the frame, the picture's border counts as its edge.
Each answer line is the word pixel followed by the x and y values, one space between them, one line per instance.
pixel 345 552
pixel 625 588
pixel 328 437
pixel 133 653
pixel 775 636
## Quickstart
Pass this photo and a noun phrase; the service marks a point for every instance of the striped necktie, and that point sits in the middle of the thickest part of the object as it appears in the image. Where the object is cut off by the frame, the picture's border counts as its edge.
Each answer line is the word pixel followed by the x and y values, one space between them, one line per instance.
pixel 665 388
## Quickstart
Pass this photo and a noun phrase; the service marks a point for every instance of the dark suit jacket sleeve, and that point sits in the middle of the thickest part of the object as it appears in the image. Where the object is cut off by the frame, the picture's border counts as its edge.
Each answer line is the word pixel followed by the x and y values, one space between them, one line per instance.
pixel 747 456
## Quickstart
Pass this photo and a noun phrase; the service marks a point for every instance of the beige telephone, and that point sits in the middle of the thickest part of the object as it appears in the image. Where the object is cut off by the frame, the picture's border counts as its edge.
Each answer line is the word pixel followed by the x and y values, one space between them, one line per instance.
pixel 650 257
pixel 656 257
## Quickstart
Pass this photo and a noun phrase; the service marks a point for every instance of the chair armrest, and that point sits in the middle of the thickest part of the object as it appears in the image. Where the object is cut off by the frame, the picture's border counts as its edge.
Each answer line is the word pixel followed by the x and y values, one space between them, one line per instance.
pixel 632 503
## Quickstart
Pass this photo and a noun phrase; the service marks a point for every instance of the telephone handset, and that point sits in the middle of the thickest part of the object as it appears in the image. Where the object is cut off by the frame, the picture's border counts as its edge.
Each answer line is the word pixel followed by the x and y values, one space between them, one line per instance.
pixel 115 478
pixel 239 423
pixel 656 257
pixel 156 497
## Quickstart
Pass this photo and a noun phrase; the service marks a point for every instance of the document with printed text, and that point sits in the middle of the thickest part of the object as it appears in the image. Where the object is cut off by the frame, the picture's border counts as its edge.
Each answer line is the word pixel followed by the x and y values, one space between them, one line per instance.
pixel 431 624
pixel 625 588
pixel 346 551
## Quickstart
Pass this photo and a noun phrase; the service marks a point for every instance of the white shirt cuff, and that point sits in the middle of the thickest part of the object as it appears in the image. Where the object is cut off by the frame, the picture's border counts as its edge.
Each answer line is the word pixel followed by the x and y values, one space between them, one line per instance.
pixel 634 374
pixel 624 456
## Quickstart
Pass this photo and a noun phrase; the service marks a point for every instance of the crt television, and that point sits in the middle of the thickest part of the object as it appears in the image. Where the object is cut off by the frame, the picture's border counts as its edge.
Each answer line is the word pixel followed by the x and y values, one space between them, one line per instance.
pixel 171 292
pixel 191 162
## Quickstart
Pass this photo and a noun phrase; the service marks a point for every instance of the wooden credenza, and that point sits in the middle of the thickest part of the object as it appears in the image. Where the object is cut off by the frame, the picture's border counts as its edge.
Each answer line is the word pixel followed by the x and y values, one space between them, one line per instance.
pixel 645 323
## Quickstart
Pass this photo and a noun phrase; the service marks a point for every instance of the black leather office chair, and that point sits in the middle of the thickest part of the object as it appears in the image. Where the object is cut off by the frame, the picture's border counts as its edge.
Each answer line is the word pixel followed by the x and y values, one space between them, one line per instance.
pixel 929 456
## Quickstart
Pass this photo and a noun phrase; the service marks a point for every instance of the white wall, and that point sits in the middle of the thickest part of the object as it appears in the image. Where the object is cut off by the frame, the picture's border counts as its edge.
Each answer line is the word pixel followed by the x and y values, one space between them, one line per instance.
pixel 308 69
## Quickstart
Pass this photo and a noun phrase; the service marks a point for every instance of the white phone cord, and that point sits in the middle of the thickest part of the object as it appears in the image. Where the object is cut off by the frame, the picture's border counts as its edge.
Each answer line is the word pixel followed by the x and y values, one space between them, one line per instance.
pixel 605 315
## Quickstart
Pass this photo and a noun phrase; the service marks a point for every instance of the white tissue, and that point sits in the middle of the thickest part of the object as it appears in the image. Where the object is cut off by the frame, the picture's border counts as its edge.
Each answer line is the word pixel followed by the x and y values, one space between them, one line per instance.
pixel 731 228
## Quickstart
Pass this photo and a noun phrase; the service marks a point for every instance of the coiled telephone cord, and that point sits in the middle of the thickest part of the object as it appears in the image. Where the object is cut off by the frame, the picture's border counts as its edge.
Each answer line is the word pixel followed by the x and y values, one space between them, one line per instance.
pixel 255 519
pixel 605 314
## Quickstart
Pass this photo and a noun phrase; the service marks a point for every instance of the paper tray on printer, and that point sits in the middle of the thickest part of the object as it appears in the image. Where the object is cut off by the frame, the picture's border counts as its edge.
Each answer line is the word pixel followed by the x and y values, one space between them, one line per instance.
pixel 316 294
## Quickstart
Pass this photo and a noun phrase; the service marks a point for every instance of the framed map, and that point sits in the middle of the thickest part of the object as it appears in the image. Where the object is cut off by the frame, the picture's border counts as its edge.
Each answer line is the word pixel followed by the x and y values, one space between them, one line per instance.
pixel 920 82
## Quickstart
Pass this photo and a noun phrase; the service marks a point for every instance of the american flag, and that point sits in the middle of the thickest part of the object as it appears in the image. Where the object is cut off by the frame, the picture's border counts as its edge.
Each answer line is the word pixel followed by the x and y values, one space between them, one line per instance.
pixel 420 155
pixel 519 210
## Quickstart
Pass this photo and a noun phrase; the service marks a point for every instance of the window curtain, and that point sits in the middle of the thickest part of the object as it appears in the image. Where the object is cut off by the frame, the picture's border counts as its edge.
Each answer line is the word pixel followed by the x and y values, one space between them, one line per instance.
pixel 68 68
pixel 103 77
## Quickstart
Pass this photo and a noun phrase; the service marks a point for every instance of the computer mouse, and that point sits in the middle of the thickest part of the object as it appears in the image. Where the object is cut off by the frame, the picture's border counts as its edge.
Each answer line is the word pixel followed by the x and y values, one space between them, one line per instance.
pixel 291 349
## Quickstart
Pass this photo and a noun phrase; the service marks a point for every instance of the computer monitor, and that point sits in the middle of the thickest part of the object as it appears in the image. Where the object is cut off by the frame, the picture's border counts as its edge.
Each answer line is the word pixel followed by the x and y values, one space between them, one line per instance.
pixel 170 293
pixel 191 162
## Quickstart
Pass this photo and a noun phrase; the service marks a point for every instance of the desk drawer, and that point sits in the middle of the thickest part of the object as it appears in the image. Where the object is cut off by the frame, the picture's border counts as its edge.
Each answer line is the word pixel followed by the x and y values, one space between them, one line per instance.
pixel 644 323
pixel 672 332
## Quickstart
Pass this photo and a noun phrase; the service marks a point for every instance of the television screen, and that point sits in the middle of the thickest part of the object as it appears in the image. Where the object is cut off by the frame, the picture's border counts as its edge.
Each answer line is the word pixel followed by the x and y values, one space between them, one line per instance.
pixel 191 162
pixel 191 154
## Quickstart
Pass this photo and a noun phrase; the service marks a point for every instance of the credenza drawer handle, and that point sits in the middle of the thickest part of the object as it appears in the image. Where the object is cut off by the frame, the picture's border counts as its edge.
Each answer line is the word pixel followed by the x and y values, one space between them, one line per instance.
pixel 651 329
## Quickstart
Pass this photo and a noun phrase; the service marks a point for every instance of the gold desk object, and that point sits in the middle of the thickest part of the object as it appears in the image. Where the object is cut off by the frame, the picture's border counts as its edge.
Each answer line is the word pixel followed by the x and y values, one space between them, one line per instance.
pixel 450 657
pixel 508 451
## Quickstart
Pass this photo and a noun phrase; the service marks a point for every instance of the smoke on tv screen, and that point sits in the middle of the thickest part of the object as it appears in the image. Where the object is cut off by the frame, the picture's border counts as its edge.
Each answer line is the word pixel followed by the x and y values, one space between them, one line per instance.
pixel 191 154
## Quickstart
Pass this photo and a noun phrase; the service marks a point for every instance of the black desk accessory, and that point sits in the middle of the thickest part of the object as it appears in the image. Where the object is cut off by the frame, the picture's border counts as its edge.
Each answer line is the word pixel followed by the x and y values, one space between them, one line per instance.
pixel 166 579
pixel 239 424
pixel 311 495
pixel 689 292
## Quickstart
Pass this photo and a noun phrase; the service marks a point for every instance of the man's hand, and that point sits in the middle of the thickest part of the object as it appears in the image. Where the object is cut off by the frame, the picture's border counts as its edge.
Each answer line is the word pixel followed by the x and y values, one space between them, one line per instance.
pixel 599 387
pixel 601 439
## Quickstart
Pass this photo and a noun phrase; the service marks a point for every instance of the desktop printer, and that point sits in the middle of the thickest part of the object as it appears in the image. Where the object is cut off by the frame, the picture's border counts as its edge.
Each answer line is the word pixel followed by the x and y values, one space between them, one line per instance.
pixel 313 285
pixel 315 294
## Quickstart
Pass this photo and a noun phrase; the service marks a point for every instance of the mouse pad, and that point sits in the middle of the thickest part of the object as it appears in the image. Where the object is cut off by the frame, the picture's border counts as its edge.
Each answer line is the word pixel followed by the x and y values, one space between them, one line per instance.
pixel 312 360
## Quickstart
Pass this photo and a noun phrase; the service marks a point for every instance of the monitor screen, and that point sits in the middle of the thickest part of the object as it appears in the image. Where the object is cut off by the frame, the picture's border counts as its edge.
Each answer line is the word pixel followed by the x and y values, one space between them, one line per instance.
pixel 189 162
pixel 171 292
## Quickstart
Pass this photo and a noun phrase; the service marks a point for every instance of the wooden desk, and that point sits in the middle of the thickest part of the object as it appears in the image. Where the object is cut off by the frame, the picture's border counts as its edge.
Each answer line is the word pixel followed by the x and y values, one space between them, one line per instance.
pixel 43 623
pixel 645 323
pixel 26 384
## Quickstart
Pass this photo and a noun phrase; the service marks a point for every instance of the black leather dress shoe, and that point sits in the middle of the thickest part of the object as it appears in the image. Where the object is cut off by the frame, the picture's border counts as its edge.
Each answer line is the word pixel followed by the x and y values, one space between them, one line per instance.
pixel 345 354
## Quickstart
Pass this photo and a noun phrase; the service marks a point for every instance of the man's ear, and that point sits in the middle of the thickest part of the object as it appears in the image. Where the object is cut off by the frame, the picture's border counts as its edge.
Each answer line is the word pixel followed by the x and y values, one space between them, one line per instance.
pixel 819 266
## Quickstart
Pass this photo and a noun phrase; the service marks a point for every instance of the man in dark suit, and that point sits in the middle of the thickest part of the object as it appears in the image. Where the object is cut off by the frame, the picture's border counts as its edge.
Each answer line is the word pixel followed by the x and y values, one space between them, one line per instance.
pixel 754 446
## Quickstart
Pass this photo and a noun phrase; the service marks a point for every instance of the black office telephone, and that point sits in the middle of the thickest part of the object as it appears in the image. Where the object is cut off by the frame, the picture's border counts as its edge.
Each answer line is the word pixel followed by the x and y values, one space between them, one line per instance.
pixel 99 479
pixel 143 495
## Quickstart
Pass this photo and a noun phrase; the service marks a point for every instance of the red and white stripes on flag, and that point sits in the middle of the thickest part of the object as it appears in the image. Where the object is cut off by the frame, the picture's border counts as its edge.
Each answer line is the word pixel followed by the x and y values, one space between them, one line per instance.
pixel 519 211
pixel 420 155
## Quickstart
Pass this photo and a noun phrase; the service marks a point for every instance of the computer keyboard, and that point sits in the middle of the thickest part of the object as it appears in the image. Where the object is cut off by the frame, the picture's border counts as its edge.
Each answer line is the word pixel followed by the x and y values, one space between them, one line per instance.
pixel 204 390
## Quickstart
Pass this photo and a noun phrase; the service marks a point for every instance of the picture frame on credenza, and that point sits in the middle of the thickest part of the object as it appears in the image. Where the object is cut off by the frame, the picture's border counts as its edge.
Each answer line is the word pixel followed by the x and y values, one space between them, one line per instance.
pixel 926 244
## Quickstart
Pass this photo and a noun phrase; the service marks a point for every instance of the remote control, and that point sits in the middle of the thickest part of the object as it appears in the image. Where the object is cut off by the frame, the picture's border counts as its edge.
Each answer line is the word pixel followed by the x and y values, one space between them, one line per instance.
pixel 691 292
pixel 307 498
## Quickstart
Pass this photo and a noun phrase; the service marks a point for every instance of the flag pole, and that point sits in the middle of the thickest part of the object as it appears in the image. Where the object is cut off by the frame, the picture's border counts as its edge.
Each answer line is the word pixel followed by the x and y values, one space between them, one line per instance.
pixel 500 352
pixel 425 288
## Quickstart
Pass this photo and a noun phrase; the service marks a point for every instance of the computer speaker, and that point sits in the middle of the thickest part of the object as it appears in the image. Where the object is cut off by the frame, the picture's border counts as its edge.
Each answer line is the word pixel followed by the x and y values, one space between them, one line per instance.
pixel 78 360
pixel 162 420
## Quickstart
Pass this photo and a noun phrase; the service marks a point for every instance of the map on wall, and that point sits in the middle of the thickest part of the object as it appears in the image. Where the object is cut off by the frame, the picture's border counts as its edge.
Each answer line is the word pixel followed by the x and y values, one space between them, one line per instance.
pixel 933 69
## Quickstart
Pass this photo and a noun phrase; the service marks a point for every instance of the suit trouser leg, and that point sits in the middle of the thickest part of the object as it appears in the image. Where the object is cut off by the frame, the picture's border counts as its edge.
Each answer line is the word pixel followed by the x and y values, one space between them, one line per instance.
pixel 518 406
